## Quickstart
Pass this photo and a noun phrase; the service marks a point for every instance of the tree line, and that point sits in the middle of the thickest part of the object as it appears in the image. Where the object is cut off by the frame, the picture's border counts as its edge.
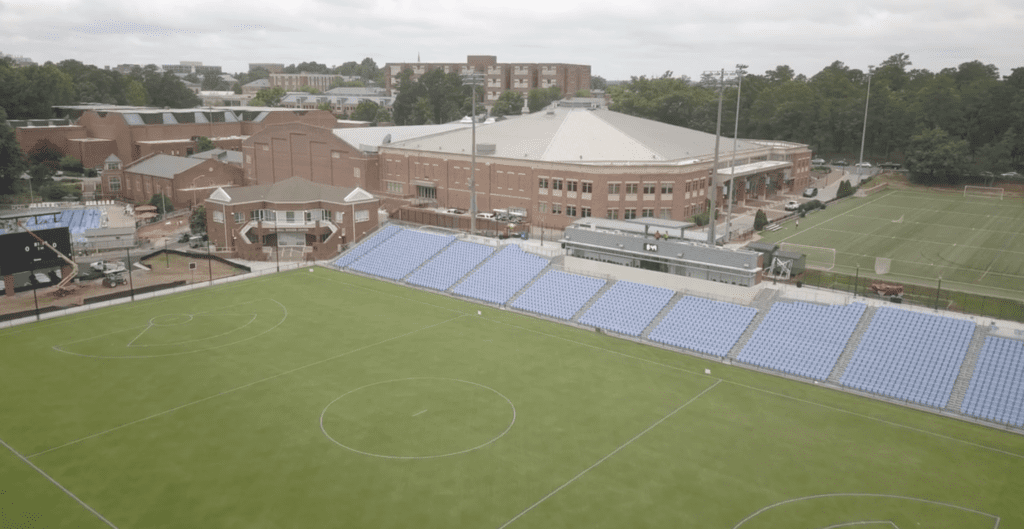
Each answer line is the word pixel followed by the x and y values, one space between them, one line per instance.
pixel 947 126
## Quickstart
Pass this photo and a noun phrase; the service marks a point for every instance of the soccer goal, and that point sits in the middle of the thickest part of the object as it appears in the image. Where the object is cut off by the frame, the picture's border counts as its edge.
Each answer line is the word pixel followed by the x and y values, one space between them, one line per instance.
pixel 984 192
pixel 817 257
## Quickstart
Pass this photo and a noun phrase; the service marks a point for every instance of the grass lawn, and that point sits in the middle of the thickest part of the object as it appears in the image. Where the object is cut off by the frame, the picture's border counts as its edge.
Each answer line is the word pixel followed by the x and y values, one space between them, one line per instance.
pixel 974 244
pixel 323 399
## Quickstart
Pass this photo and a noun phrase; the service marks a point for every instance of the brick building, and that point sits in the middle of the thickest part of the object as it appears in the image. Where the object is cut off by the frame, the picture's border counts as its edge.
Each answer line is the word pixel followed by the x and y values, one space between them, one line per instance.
pixel 292 82
pixel 294 217
pixel 93 133
pixel 500 77
pixel 558 165
pixel 184 181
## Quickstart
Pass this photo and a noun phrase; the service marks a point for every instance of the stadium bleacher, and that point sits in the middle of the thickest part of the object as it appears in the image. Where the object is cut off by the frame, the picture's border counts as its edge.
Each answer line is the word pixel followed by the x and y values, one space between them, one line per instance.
pixel 457 260
pixel 802 339
pixel 497 280
pixel 400 254
pixel 559 294
pixel 682 327
pixel 368 244
pixel 627 308
pixel 996 392
pixel 910 356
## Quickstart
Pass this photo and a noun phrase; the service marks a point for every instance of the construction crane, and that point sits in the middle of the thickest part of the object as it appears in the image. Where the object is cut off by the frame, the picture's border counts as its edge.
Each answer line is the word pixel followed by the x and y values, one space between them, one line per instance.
pixel 62 288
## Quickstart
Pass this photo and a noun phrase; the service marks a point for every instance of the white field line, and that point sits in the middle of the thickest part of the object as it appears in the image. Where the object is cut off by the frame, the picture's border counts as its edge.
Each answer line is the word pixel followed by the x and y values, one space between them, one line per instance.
pixel 59 486
pixel 226 392
pixel 920 263
pixel 417 414
pixel 867 495
pixel 610 454
pixel 883 195
pixel 941 243
pixel 133 306
pixel 935 225
pixel 869 522
pixel 833 408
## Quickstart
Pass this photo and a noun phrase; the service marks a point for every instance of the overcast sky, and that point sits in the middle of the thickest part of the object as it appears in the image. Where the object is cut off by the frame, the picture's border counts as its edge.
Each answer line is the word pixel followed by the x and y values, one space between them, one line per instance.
pixel 618 39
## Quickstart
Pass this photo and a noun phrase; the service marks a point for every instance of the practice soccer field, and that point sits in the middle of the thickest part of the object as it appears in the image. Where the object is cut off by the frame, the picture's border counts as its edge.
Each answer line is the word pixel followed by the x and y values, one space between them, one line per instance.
pixel 974 244
pixel 323 399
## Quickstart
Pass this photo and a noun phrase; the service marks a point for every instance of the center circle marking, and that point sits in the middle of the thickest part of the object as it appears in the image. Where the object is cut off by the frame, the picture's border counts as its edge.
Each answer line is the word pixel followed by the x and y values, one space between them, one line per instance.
pixel 167 320
pixel 393 419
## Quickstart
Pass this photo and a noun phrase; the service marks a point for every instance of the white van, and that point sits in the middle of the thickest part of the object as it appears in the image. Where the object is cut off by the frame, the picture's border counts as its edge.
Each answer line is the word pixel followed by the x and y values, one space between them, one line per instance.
pixel 488 216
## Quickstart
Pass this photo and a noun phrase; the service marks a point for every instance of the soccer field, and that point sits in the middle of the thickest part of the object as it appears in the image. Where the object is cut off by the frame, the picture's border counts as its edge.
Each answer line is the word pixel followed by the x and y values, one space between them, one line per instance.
pixel 974 244
pixel 324 399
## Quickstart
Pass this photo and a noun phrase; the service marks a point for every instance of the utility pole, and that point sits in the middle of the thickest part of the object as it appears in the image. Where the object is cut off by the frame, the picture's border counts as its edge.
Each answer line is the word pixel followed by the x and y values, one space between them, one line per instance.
pixel 740 68
pixel 864 132
pixel 473 79
pixel 713 180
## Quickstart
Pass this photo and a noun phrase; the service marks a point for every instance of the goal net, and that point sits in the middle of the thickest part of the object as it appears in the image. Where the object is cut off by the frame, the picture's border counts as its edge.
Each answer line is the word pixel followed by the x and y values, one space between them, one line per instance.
pixel 984 192
pixel 882 265
pixel 817 257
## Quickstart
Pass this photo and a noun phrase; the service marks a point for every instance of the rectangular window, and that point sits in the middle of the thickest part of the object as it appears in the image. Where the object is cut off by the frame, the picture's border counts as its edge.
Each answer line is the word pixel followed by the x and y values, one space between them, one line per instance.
pixel 665 213
pixel 631 188
pixel 647 213
pixel 339 216
pixel 218 216
pixel 571 185
pixel 115 183
pixel 630 213
pixel 584 212
pixel 649 188
pixel 239 217
pixel 556 209
pixel 362 215
pixel 613 189
pixel 613 213
pixel 308 215
pixel 666 188
pixel 588 187
pixel 289 216
pixel 355 170
pixel 112 166
pixel 570 211
pixel 395 187
pixel 542 207
pixel 542 183
pixel 556 184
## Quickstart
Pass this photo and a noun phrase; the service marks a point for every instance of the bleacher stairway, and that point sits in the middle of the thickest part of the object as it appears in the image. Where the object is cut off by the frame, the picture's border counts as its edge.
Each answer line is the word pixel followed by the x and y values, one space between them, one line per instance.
pixel 661 315
pixel 851 346
pixel 963 379
pixel 579 314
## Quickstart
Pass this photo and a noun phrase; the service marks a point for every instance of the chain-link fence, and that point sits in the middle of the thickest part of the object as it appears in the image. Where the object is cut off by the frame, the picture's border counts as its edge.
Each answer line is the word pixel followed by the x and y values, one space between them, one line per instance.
pixel 934 297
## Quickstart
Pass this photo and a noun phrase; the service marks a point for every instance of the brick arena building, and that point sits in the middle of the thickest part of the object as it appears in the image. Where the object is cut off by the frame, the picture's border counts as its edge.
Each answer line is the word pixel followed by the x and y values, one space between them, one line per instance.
pixel 558 165
pixel 184 181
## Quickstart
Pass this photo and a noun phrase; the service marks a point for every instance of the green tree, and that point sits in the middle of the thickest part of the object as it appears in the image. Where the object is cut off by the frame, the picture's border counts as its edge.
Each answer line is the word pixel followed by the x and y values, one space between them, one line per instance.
pixel 760 220
pixel 71 164
pixel 383 116
pixel 366 110
pixel 539 98
pixel 598 83
pixel 326 105
pixel 44 152
pixel 136 93
pixel 436 97
pixel 204 144
pixel 12 163
pixel 197 220
pixel 162 203
pixel 845 189
pixel 309 89
pixel 935 157
pixel 509 103
pixel 268 97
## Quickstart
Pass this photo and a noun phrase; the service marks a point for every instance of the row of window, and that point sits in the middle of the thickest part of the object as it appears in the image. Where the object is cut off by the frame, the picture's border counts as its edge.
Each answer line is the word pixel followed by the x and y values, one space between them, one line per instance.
pixel 309 216
pixel 649 188
pixel 627 213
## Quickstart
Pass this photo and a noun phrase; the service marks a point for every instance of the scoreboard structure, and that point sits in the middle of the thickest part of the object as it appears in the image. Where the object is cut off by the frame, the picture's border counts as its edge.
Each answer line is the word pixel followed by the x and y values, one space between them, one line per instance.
pixel 21 252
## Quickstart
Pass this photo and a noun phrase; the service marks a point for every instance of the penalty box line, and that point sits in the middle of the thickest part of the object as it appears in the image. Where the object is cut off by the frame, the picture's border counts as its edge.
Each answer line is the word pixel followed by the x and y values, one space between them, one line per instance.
pixel 610 454
pixel 239 388
pixel 59 486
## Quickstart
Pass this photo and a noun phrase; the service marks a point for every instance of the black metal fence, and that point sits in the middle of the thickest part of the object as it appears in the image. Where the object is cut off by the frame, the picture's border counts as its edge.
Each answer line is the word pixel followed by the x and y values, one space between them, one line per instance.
pixel 934 297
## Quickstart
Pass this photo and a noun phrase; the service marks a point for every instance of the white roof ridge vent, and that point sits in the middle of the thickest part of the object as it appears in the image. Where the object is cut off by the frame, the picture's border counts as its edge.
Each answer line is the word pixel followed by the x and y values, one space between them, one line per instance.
pixel 486 148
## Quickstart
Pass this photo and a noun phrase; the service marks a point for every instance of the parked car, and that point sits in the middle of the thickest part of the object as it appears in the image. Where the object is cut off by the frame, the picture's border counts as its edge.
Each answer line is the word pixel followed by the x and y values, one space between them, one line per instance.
pixel 840 163
pixel 865 165
pixel 105 266
pixel 1011 174
pixel 792 205
pixel 818 161
pixel 811 192
pixel 889 165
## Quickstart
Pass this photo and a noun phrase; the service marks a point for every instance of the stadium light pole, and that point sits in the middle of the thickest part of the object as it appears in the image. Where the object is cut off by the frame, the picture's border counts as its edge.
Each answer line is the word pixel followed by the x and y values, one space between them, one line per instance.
pixel 740 68
pixel 473 79
pixel 864 131
pixel 713 179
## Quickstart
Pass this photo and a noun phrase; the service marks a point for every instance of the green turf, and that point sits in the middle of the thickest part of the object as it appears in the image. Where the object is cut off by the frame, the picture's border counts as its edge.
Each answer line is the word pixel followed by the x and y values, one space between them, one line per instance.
pixel 974 244
pixel 339 401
